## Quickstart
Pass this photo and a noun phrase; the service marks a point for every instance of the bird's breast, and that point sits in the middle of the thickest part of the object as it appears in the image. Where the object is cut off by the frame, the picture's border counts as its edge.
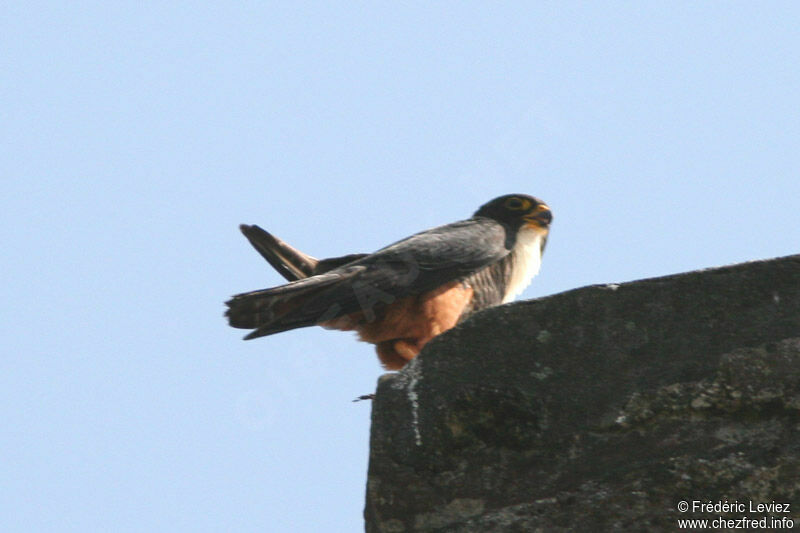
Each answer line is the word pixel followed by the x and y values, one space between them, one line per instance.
pixel 526 259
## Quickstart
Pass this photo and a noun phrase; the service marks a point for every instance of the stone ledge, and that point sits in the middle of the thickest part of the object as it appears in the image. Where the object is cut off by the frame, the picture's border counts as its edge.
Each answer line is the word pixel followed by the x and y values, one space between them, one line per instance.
pixel 597 408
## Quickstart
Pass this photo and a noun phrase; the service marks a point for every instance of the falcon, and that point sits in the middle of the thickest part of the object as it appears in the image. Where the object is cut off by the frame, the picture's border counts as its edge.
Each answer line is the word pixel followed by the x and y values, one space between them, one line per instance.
pixel 405 294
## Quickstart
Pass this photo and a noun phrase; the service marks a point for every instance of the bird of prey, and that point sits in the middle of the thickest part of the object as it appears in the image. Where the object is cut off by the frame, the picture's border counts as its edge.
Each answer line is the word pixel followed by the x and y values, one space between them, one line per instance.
pixel 403 295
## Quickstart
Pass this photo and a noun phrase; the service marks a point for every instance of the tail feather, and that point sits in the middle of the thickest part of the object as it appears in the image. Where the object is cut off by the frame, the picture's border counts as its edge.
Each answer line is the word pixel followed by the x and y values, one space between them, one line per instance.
pixel 290 262
pixel 291 306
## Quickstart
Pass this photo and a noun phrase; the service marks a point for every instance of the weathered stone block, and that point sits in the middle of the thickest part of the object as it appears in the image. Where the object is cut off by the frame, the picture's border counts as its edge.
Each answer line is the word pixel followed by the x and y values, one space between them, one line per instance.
pixel 598 409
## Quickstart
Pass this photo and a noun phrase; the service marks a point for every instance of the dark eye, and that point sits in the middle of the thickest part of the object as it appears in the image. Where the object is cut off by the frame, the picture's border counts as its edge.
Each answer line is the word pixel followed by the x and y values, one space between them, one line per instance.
pixel 516 204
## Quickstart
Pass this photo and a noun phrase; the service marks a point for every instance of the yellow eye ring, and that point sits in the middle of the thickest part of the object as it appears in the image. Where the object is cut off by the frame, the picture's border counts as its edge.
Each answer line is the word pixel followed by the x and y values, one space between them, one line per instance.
pixel 517 204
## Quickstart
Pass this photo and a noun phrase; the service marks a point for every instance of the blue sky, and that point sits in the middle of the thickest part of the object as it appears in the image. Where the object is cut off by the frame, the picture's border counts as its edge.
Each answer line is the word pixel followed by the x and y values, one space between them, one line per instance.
pixel 137 136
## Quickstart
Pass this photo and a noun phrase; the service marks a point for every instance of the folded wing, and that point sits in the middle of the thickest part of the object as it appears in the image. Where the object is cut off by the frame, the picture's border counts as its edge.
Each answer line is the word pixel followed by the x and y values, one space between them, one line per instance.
pixel 412 266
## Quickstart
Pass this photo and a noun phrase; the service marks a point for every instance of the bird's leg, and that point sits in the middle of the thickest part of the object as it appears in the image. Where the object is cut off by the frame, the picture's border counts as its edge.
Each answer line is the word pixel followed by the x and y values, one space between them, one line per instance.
pixel 390 359
pixel 408 349
pixel 395 353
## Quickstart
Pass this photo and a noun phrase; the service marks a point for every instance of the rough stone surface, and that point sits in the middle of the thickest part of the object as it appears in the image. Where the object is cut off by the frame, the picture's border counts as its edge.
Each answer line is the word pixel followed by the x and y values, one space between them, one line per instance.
pixel 598 409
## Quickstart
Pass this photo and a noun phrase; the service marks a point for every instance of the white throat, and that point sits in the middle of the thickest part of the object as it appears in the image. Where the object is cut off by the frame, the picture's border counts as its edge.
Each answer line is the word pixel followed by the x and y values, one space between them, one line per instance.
pixel 526 259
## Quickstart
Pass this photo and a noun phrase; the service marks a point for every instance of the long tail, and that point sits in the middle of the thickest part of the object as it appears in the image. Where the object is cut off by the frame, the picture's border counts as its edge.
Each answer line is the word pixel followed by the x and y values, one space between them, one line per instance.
pixel 290 262
pixel 297 304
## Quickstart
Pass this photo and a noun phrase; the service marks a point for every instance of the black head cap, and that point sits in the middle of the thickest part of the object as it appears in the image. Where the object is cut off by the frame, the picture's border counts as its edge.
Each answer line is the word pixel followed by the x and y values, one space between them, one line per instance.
pixel 516 210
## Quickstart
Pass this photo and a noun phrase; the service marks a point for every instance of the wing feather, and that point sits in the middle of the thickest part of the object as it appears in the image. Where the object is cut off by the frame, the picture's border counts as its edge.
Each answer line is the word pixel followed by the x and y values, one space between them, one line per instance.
pixel 411 266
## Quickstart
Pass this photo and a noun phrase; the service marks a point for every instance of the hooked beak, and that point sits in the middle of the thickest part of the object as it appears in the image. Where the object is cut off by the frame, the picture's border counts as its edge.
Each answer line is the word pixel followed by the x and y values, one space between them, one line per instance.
pixel 541 218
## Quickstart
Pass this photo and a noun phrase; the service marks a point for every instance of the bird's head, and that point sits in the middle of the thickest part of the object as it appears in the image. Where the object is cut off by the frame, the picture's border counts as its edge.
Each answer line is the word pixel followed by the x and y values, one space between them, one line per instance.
pixel 518 211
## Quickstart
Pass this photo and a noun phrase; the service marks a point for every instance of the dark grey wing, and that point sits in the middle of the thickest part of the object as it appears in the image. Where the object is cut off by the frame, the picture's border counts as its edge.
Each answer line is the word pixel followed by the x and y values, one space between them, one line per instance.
pixel 464 246
pixel 489 284
pixel 412 266
pixel 281 308
pixel 326 265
